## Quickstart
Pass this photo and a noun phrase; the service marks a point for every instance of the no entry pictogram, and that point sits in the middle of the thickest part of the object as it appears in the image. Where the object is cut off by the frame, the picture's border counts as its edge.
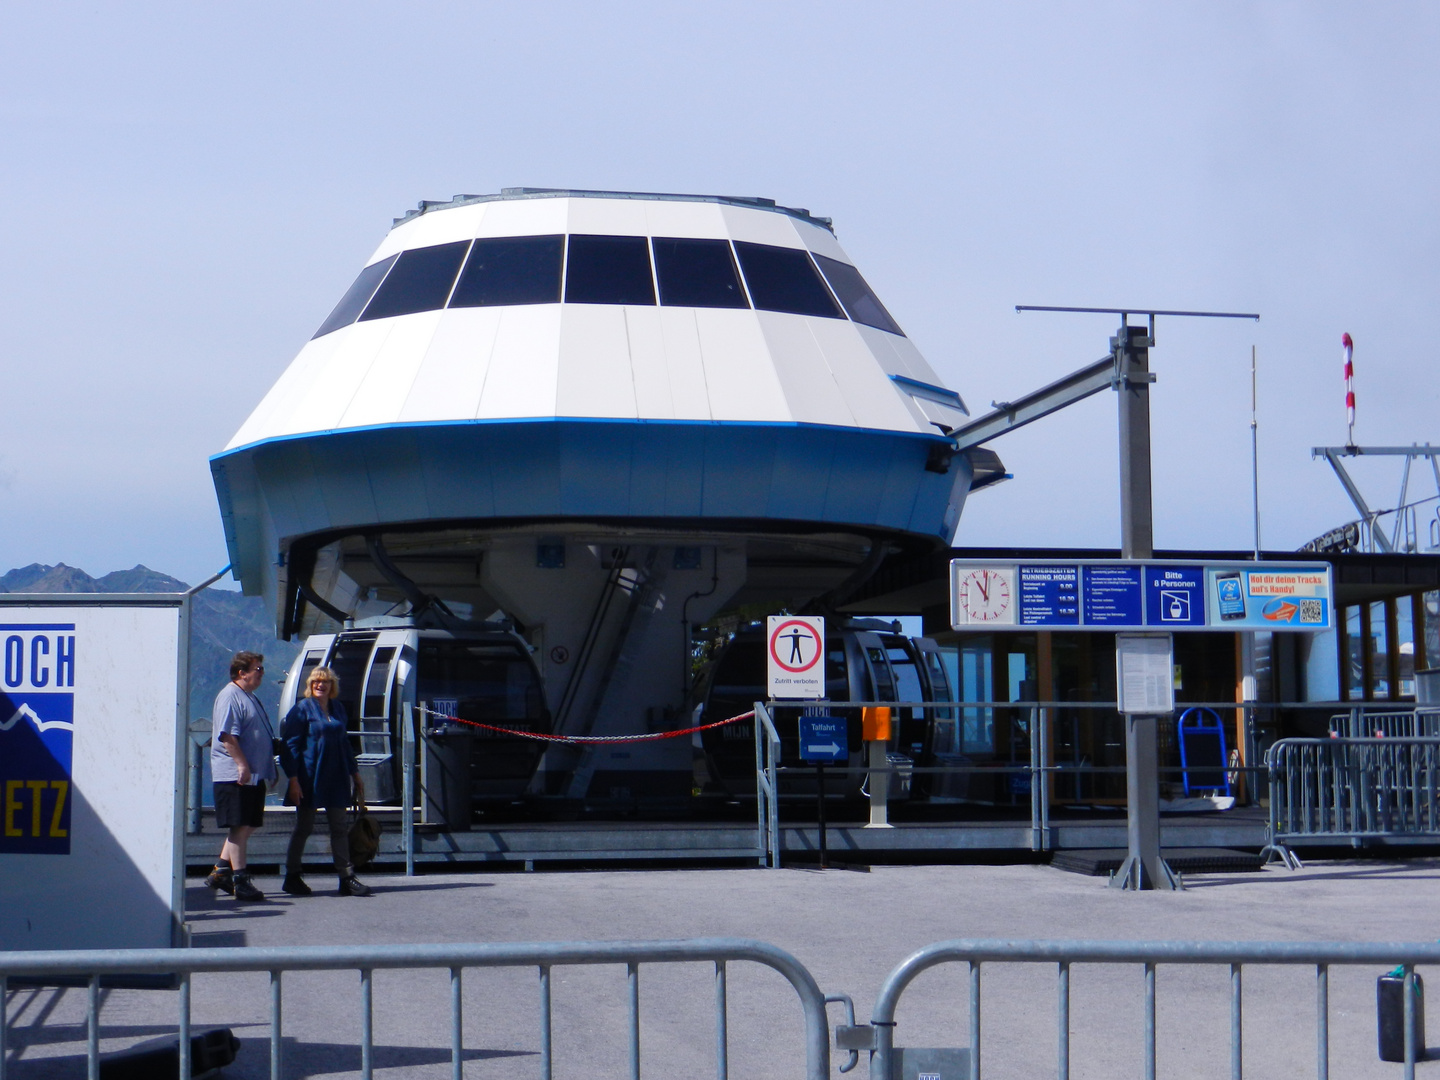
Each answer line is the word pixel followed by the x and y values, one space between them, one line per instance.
pixel 794 653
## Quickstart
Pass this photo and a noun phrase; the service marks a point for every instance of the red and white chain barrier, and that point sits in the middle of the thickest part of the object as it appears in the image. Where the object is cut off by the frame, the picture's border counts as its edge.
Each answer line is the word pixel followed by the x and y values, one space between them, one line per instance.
pixel 585 740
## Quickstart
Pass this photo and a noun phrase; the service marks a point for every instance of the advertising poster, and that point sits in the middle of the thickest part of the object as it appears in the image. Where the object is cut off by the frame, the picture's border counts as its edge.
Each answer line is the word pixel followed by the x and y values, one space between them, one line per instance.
pixel 37 731
pixel 1271 598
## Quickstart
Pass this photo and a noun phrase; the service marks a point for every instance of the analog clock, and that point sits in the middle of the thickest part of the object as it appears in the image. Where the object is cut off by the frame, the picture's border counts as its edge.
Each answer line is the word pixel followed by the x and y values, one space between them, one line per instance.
pixel 986 595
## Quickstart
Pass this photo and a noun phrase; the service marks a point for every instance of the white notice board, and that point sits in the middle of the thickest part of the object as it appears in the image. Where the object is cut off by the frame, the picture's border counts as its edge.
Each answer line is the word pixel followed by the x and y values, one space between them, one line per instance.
pixel 91 759
pixel 1145 673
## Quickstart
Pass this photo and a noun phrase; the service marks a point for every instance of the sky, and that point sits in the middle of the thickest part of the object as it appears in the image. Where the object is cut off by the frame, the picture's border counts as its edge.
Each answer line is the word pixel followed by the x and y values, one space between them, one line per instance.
pixel 188 189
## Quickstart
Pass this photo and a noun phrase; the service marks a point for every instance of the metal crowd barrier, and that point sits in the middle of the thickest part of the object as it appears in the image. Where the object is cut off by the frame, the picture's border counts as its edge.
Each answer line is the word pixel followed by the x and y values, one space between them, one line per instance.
pixel 879 1035
pixel 184 963
pixel 1351 790
pixel 1362 723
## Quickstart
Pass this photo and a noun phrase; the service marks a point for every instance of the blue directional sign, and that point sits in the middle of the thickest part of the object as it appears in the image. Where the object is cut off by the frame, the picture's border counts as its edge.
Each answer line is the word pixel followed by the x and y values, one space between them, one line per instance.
pixel 1174 596
pixel 824 738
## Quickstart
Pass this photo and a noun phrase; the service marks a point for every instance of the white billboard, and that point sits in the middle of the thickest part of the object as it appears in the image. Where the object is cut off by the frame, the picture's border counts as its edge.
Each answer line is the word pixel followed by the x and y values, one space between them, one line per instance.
pixel 91 768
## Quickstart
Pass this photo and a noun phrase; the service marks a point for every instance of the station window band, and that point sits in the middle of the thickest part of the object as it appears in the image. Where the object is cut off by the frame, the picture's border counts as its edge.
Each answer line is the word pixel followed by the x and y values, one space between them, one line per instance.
pixel 596 269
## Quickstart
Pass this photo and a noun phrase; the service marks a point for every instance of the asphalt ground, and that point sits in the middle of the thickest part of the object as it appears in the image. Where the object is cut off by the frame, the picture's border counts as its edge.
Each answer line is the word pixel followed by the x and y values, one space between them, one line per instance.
pixel 848 928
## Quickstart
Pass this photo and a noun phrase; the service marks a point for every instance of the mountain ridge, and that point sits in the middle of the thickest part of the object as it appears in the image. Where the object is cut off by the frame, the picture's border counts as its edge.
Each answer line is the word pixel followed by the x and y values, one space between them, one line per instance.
pixel 223 622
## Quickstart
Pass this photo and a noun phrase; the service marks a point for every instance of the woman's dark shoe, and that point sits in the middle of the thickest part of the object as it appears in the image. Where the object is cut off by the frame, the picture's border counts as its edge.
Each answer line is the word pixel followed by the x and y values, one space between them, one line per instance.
pixel 221 879
pixel 245 889
pixel 295 885
pixel 353 886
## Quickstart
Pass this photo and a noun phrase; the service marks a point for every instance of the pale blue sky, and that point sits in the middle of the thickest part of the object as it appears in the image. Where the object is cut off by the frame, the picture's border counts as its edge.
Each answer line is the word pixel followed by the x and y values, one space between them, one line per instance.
pixel 189 188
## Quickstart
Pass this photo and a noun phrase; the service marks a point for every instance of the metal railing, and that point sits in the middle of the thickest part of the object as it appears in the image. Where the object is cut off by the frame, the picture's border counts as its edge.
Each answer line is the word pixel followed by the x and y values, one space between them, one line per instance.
pixel 1422 722
pixel 767 787
pixel 879 1036
pixel 1351 790
pixel 183 964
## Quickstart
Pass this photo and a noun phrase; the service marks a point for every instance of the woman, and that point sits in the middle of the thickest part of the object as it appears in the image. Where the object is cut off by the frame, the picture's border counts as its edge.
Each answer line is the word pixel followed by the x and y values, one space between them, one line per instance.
pixel 323 774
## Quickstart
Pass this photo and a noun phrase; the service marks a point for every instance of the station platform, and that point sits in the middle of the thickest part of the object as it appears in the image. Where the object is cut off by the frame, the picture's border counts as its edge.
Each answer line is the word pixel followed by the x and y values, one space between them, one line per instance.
pixel 995 836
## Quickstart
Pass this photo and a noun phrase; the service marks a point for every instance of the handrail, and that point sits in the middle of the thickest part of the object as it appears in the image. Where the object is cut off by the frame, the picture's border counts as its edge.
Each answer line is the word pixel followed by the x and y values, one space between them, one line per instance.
pixel 767 788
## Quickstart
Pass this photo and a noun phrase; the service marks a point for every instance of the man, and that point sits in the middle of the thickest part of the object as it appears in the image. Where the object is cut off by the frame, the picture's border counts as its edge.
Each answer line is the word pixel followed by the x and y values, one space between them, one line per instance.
pixel 242 763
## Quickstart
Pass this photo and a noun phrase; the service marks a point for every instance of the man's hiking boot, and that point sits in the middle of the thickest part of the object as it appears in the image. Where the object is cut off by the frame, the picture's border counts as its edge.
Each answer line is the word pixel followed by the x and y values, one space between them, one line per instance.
pixel 295 885
pixel 353 886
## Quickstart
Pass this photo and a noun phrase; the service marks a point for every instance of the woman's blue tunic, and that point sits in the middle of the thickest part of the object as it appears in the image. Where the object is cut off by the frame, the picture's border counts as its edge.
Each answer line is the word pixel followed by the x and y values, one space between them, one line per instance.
pixel 319 752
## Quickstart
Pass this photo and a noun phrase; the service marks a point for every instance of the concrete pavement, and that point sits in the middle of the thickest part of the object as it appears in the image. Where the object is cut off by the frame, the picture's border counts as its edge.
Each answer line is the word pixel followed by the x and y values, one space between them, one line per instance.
pixel 849 928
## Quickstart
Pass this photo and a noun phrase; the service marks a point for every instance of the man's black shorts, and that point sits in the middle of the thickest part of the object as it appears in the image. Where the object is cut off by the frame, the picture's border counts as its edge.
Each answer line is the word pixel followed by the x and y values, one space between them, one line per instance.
pixel 237 805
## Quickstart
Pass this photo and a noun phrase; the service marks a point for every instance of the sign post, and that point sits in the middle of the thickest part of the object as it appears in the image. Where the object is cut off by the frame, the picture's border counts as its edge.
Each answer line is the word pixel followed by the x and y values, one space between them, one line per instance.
pixel 822 739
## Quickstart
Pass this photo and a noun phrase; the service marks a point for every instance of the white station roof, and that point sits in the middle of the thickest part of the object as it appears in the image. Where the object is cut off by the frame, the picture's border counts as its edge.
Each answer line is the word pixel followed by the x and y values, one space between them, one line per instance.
pixel 602 305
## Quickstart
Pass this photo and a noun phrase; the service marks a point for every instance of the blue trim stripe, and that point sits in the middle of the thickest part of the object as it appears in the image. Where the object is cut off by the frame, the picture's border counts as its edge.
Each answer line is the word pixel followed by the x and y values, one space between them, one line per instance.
pixel 942 394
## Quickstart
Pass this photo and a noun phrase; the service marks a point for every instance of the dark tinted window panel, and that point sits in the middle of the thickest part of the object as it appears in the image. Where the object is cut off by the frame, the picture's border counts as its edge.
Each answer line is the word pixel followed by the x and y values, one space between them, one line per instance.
pixel 609 270
pixel 861 304
pixel 511 270
pixel 354 301
pixel 421 281
pixel 784 279
pixel 697 273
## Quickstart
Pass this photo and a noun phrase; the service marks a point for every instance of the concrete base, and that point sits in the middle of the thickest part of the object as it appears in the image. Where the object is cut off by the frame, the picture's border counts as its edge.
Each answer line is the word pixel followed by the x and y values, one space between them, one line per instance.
pixel 610 842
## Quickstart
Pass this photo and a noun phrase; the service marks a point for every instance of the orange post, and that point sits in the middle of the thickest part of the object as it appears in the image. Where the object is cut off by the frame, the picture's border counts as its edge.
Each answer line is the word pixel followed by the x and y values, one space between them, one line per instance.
pixel 875 723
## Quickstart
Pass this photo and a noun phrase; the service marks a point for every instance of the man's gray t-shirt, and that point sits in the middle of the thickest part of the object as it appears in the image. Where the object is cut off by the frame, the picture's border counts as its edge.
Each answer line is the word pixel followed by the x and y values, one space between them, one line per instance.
pixel 240 713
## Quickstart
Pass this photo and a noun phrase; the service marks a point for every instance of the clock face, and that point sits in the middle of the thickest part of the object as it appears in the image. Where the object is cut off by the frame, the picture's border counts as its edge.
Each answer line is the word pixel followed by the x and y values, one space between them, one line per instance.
pixel 986 596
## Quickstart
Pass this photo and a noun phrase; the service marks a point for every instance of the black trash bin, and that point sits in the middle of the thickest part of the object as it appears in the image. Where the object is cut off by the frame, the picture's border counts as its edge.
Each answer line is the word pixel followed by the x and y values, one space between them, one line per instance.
pixel 1390 1010
pixel 449 749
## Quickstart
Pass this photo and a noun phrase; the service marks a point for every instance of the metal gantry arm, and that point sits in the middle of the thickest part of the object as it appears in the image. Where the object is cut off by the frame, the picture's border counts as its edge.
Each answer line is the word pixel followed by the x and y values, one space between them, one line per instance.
pixel 1009 415
pixel 1333 454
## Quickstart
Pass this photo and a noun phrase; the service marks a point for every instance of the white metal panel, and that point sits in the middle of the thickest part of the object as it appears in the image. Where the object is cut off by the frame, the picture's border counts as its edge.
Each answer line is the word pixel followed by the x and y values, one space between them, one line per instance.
pixel 319 406
pixel 739 371
pixel 434 227
pixel 295 381
pixel 521 380
pixel 524 217
pixel 760 226
pixel 908 360
pixel 114 878
pixel 940 415
pixel 819 240
pixel 870 393
pixel 452 375
pixel 378 398
pixel 701 220
pixel 810 389
pixel 617 217
pixel 685 365
pixel 649 364
pixel 595 377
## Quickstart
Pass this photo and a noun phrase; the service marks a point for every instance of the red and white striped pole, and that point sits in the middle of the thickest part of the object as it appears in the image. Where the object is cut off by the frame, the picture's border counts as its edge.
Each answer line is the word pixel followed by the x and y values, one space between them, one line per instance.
pixel 1349 385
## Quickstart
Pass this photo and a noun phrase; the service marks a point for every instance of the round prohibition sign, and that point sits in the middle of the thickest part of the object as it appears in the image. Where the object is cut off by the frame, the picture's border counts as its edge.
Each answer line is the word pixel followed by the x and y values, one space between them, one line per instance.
pixel 802 631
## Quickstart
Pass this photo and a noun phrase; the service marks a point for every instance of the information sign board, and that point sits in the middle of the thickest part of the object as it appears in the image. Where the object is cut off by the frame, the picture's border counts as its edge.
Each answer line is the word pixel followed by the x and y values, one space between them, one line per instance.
pixel 795 656
pixel 91 767
pixel 824 738
pixel 1145 673
pixel 1112 595
pixel 1154 594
